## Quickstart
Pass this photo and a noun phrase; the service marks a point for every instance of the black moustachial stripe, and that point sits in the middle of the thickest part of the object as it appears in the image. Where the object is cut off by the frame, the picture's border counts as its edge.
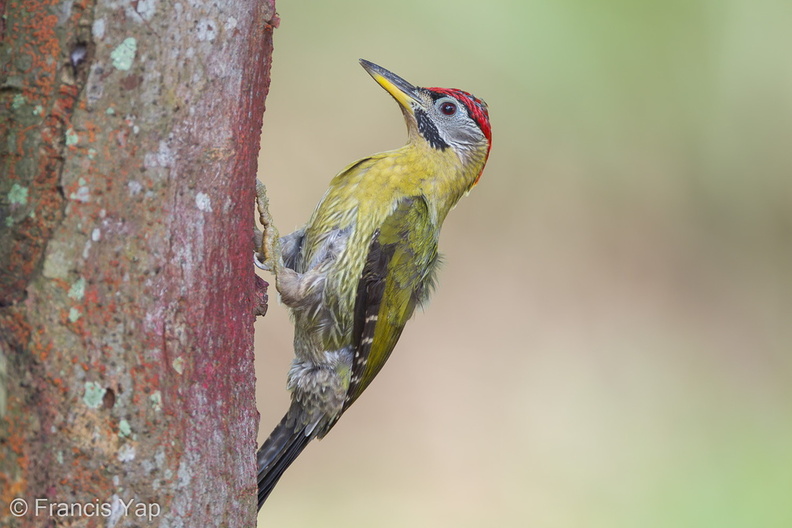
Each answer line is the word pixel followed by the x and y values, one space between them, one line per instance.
pixel 429 130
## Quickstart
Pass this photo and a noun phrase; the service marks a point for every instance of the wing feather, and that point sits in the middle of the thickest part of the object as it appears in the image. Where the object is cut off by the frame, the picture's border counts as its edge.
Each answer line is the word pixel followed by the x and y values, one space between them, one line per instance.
pixel 396 277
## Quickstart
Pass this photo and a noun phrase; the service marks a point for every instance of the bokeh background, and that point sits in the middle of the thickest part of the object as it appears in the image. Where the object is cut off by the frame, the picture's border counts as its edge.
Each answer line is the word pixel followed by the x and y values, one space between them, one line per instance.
pixel 610 344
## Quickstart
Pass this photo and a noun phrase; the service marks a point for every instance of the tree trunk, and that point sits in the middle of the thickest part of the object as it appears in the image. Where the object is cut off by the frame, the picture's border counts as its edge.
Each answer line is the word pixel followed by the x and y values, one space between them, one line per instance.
pixel 127 293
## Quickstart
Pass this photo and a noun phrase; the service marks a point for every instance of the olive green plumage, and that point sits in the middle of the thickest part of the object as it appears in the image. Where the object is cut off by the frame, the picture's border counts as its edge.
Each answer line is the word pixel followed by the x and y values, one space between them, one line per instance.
pixel 354 274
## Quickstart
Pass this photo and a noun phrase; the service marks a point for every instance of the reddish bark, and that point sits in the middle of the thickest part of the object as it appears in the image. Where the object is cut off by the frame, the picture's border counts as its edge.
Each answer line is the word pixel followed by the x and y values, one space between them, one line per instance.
pixel 127 292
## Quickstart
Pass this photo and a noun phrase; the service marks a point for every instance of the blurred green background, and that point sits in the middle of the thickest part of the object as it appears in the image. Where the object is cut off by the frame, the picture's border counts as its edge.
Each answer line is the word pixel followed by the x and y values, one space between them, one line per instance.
pixel 610 344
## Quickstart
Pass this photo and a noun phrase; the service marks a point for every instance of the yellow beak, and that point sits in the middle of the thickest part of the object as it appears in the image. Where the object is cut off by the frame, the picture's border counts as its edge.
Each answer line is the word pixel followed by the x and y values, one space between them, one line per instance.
pixel 405 93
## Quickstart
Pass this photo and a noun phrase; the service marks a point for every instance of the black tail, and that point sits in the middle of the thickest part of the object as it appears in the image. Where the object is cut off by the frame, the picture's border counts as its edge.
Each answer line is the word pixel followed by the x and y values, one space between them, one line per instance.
pixel 277 453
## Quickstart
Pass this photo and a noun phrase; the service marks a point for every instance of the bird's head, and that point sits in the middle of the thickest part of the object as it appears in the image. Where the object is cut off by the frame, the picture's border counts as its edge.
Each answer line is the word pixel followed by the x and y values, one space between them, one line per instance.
pixel 443 117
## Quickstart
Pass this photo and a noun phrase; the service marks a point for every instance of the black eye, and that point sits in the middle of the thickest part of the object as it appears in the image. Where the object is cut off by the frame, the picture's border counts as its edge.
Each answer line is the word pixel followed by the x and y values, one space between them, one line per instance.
pixel 448 108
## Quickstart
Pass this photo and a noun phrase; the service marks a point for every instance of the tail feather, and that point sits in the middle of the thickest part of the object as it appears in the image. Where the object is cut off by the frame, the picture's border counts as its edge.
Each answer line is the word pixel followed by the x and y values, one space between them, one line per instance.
pixel 277 453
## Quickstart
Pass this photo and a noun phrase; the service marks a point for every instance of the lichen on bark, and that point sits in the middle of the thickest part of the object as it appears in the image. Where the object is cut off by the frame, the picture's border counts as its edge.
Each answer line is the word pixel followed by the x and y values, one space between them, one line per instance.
pixel 127 291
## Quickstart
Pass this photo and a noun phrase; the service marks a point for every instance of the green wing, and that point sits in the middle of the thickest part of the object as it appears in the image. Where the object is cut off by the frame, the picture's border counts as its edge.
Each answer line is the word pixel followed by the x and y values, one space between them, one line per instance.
pixel 397 276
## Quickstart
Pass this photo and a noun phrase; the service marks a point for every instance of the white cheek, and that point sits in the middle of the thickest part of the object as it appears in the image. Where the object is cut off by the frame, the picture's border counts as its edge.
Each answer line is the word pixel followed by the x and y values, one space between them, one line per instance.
pixel 448 138
pixel 462 135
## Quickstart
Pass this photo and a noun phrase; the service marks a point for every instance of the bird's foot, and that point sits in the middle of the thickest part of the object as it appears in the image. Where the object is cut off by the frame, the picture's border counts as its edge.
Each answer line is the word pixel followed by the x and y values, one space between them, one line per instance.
pixel 267 241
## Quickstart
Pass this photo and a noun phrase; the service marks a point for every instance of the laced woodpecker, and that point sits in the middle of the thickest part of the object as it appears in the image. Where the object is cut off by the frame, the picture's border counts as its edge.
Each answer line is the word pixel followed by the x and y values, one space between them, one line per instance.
pixel 354 274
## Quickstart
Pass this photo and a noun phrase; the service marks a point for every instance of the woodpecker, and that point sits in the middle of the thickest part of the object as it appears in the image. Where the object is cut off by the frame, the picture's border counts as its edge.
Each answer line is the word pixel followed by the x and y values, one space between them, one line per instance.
pixel 354 274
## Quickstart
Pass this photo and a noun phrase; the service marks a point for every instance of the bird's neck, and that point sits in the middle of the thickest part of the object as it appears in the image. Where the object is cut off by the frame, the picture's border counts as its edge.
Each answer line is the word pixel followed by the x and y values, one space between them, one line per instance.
pixel 447 174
